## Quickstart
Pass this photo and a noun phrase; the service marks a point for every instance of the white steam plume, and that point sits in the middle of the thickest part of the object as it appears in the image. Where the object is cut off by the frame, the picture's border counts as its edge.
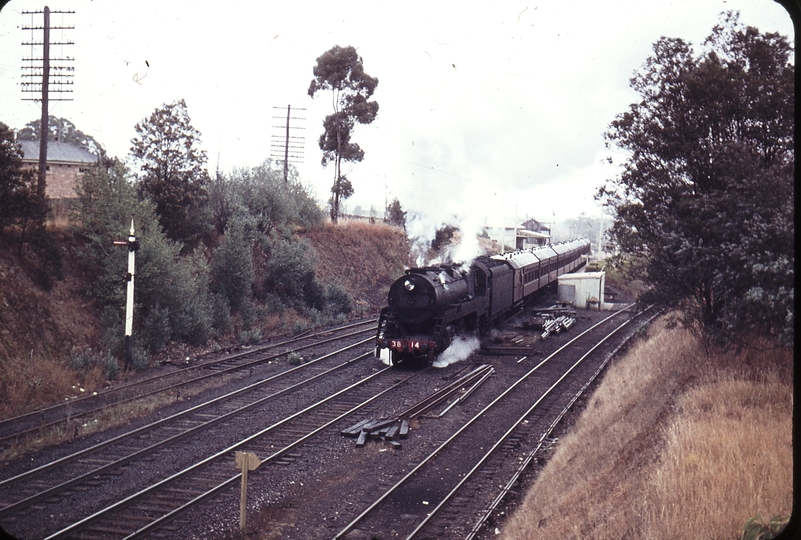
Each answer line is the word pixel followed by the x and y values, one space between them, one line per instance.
pixel 422 231
pixel 461 348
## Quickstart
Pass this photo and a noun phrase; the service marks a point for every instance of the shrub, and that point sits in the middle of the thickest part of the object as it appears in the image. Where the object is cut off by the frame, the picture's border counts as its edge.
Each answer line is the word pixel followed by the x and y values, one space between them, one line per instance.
pixel 233 266
pixel 191 303
pixel 110 368
pixel 295 359
pixel 291 272
pixel 337 299
pixel 250 337
pixel 221 313
pixel 84 360
pixel 139 356
pixel 757 529
pixel 155 333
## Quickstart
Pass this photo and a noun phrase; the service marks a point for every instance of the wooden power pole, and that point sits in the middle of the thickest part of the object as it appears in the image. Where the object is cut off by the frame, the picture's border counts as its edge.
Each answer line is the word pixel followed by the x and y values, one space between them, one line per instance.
pixel 59 72
pixel 284 147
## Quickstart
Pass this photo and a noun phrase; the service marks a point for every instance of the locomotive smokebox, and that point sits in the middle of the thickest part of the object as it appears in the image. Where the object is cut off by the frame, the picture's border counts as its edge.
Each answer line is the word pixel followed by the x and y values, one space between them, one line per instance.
pixel 426 292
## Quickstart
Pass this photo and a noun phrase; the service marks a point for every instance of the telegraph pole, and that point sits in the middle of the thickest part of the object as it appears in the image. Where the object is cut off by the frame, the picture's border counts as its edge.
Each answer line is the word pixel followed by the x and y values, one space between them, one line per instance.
pixel 62 81
pixel 291 152
pixel 43 127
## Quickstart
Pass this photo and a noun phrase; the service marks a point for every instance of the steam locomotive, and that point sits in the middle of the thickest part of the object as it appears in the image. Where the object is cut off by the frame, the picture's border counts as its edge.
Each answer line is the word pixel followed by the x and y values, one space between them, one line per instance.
pixel 428 306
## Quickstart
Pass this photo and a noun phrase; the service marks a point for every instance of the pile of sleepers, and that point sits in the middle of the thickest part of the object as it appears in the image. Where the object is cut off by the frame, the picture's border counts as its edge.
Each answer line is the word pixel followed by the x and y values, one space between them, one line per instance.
pixel 387 429
pixel 554 326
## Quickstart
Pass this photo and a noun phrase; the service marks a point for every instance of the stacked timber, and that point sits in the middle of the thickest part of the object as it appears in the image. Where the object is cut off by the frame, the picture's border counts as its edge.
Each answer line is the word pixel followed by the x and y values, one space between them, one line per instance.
pixel 555 326
pixel 386 429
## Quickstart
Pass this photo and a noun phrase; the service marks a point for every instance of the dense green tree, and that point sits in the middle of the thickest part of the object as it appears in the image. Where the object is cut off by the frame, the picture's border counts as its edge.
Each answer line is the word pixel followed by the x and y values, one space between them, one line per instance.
pixel 171 297
pixel 173 176
pixel 273 204
pixel 61 129
pixel 703 204
pixel 20 208
pixel 291 272
pixel 395 214
pixel 23 212
pixel 341 71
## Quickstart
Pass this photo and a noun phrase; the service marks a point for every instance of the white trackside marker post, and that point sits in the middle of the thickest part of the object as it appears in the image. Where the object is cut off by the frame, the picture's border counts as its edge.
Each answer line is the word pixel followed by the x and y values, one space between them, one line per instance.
pixel 245 461
pixel 133 245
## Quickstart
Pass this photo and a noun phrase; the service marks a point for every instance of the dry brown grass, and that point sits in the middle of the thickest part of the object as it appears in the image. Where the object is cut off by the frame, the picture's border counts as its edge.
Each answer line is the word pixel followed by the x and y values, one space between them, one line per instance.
pixel 673 444
pixel 365 258
pixel 729 454
pixel 29 383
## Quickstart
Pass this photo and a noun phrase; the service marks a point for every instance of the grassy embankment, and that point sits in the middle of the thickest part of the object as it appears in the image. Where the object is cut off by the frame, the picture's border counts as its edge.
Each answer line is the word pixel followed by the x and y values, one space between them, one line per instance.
pixel 675 443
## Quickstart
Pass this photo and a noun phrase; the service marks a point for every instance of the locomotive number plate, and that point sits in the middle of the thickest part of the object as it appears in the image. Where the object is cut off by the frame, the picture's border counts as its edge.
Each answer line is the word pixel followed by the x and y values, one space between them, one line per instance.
pixel 400 344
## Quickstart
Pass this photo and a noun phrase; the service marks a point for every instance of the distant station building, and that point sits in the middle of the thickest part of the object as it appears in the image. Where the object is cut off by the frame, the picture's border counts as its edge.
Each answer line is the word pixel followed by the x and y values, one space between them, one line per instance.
pixel 66 164
pixel 528 234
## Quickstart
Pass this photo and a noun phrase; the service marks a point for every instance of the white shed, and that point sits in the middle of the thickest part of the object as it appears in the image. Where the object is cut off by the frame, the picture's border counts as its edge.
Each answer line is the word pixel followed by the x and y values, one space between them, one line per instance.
pixel 583 290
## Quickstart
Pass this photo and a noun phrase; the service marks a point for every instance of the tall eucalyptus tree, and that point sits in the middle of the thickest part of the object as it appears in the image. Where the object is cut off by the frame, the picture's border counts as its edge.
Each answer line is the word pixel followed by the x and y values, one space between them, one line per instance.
pixel 341 71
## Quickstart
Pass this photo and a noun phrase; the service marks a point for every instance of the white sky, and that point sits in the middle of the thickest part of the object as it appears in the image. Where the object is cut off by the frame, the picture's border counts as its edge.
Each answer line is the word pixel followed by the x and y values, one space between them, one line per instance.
pixel 496 109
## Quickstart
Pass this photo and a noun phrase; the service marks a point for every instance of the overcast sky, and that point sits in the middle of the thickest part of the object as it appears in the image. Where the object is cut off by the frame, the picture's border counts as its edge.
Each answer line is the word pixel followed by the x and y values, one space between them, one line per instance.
pixel 487 109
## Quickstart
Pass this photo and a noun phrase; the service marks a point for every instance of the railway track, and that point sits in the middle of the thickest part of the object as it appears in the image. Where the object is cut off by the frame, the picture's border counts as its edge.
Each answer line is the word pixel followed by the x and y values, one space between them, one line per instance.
pixel 71 414
pixel 155 506
pixel 108 457
pixel 424 496
pixel 532 453
pixel 459 478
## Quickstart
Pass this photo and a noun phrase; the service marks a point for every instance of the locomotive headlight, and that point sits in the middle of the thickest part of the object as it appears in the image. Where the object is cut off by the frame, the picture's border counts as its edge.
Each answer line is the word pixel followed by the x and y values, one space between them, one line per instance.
pixel 408 285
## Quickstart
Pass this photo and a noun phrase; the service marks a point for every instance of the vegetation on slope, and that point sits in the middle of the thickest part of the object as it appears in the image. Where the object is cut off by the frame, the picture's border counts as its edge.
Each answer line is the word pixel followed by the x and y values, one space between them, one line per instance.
pixel 52 342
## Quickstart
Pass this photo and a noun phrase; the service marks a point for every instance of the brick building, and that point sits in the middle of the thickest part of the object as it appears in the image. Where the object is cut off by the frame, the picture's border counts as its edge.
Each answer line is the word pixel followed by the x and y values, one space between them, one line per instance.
pixel 66 163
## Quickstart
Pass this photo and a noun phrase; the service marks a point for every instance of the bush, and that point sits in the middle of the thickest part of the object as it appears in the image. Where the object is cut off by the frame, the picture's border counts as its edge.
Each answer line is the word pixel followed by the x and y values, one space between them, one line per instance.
pixel 233 266
pixel 337 299
pixel 190 300
pixel 290 272
pixel 139 357
pixel 757 529
pixel 221 313
pixel 295 359
pixel 84 360
pixel 250 337
pixel 274 204
pixel 155 333
pixel 111 368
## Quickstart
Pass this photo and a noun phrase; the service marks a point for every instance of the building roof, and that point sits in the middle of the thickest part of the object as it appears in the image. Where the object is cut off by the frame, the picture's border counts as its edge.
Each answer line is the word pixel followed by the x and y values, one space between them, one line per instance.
pixel 523 233
pixel 57 151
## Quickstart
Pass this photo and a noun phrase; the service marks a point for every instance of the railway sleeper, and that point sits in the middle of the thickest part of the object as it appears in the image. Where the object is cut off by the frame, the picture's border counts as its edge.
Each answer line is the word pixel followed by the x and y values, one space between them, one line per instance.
pixel 92 461
pixel 101 533
pixel 157 508
pixel 129 522
pixel 181 491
